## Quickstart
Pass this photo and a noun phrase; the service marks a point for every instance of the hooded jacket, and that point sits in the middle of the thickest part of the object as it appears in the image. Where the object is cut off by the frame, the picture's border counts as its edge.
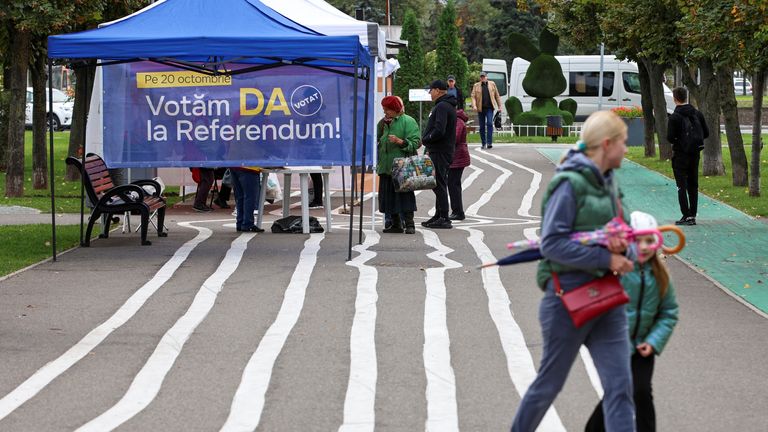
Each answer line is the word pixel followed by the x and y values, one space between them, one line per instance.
pixel 651 317
pixel 578 198
pixel 440 133
pixel 675 126
pixel 461 155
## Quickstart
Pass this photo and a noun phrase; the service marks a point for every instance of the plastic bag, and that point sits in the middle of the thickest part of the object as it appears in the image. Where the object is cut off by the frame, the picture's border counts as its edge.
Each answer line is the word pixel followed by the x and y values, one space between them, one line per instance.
pixel 274 192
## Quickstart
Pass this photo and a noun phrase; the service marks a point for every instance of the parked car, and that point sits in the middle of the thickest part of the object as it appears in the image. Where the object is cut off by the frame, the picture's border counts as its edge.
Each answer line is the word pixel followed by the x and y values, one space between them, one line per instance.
pixel 742 86
pixel 62 109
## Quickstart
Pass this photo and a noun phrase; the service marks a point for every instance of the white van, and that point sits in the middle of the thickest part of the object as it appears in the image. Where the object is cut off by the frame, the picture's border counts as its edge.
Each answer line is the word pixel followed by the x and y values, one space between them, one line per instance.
pixel 621 82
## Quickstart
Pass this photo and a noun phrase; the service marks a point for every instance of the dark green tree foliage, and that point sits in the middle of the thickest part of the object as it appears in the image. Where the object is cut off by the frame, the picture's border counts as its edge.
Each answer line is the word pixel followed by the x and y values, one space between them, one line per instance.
pixel 411 72
pixel 544 80
pixel 450 60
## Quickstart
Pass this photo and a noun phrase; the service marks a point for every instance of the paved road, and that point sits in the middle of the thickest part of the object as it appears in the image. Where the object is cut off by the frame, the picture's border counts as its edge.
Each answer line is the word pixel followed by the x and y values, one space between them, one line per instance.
pixel 210 329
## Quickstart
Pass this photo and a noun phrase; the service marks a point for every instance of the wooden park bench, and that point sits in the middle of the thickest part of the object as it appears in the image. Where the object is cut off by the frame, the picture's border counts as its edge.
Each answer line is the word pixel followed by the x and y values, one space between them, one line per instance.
pixel 140 197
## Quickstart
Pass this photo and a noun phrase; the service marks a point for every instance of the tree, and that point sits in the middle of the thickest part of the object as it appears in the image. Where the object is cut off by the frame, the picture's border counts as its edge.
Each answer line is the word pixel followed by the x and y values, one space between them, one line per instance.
pixel 411 72
pixel 22 21
pixel 450 60
pixel 750 22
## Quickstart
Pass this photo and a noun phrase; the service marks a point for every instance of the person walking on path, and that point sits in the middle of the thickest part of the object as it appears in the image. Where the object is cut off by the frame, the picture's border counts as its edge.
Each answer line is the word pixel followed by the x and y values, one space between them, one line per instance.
pixel 460 161
pixel 247 189
pixel 440 139
pixel 582 196
pixel 686 131
pixel 455 91
pixel 397 136
pixel 652 315
pixel 486 101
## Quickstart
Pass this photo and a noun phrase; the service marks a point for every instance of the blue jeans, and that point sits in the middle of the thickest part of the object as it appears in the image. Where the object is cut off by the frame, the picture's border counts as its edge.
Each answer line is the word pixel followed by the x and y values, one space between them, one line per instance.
pixel 247 192
pixel 607 339
pixel 485 118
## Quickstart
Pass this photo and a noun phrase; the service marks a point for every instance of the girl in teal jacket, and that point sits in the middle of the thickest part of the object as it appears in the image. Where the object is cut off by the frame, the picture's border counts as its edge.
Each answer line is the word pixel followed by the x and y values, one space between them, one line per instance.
pixel 652 315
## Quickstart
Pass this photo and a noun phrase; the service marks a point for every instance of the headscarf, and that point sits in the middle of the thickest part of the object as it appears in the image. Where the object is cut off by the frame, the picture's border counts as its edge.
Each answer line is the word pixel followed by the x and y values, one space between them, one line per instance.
pixel 393 103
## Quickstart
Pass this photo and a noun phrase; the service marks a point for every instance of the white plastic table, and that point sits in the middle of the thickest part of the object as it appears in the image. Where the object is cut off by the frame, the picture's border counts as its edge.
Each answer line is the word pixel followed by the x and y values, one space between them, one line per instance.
pixel 303 173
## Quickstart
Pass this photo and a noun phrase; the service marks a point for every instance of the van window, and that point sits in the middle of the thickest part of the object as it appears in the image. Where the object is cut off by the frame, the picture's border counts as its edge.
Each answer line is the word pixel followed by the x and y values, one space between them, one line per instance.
pixel 631 82
pixel 501 81
pixel 585 83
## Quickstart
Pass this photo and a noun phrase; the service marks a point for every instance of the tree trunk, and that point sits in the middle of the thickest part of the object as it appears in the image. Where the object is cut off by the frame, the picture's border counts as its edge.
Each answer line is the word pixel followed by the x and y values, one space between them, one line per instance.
pixel 709 105
pixel 647 105
pixel 4 98
pixel 83 88
pixel 758 88
pixel 39 110
pixel 656 76
pixel 19 57
pixel 739 171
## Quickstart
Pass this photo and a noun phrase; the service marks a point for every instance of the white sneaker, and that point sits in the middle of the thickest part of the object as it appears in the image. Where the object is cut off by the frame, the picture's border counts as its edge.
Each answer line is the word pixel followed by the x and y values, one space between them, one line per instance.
pixel 234 212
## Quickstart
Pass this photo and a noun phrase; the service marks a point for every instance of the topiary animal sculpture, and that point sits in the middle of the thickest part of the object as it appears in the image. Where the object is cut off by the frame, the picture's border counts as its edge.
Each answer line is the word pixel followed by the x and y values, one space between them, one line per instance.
pixel 544 80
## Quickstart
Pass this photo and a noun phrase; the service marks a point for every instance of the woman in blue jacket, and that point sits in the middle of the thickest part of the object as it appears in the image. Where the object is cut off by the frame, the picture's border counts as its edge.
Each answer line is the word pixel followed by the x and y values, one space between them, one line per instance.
pixel 652 315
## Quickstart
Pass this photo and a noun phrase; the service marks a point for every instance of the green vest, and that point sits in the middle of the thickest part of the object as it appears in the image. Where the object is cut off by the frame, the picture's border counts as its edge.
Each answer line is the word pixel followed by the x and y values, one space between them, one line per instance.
pixel 595 206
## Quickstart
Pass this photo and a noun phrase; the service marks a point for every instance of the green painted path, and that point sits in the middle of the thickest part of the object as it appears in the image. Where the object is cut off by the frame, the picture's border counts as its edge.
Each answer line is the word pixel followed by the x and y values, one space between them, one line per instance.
pixel 728 245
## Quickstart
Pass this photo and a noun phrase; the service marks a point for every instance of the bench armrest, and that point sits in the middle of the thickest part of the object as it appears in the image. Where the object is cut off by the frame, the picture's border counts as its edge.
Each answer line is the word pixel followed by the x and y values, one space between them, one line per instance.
pixel 129 193
pixel 153 189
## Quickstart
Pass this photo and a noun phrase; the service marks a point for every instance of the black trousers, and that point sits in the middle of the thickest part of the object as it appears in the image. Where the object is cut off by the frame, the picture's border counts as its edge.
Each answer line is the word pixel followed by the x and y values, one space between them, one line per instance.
pixel 203 187
pixel 317 187
pixel 441 162
pixel 686 170
pixel 645 413
pixel 454 190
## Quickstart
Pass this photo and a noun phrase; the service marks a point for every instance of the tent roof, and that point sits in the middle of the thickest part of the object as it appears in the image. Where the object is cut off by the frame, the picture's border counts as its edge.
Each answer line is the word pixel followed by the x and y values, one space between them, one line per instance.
pixel 199 30
pixel 320 16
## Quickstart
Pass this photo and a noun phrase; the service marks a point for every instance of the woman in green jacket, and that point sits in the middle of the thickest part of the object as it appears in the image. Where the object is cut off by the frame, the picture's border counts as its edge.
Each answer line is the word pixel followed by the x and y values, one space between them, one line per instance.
pixel 652 315
pixel 398 135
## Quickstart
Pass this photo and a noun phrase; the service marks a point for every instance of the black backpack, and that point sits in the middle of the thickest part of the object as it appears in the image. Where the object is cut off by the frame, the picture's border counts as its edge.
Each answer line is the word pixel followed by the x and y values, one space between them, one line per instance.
pixel 692 138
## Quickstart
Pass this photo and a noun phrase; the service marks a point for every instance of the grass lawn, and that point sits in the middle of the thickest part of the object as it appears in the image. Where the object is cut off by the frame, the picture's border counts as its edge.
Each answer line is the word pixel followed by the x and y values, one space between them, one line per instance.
pixel 746 101
pixel 67 192
pixel 24 245
pixel 720 187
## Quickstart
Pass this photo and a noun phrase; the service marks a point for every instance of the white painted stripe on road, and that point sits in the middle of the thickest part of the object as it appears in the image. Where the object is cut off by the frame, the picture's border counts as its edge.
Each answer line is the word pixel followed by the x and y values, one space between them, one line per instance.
pixel 148 381
pixel 43 376
pixel 248 403
pixel 476 171
pixel 359 403
pixel 527 202
pixel 442 410
pixel 519 360
pixel 495 187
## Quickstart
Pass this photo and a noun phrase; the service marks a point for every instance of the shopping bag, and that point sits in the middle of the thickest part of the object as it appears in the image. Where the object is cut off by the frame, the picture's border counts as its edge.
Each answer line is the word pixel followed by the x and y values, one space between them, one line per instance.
pixel 274 192
pixel 413 173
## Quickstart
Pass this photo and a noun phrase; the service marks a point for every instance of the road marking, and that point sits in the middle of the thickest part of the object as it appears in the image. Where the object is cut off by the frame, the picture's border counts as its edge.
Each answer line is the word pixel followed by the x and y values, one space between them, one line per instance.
pixel 519 360
pixel 148 381
pixel 359 403
pixel 527 201
pixel 442 410
pixel 248 402
pixel 43 376
pixel 495 187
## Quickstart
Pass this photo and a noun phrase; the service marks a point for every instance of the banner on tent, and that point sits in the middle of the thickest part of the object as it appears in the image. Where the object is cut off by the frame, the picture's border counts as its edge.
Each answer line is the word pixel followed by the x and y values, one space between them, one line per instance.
pixel 157 116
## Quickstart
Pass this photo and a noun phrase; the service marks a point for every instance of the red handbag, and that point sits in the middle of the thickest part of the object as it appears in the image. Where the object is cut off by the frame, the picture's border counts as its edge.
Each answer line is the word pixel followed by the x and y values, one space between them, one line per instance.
pixel 591 299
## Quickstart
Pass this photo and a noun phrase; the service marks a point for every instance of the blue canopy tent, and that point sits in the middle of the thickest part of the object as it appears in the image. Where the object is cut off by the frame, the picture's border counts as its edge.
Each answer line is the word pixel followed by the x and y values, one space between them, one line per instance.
pixel 209 37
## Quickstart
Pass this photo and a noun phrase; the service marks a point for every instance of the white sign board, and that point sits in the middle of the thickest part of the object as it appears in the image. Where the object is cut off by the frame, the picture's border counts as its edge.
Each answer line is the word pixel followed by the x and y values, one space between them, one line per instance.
pixel 419 95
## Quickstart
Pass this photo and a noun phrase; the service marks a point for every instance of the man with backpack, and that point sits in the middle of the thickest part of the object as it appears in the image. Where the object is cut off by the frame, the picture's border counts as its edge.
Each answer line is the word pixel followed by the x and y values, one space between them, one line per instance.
pixel 686 131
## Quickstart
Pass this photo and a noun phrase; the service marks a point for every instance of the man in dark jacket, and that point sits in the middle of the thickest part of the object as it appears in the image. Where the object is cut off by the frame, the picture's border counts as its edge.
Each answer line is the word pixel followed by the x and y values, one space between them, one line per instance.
pixel 686 131
pixel 439 137
pixel 455 91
